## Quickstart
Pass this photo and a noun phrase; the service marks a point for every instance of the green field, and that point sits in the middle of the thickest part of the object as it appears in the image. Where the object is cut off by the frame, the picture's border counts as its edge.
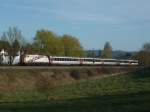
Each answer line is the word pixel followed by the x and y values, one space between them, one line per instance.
pixel 122 93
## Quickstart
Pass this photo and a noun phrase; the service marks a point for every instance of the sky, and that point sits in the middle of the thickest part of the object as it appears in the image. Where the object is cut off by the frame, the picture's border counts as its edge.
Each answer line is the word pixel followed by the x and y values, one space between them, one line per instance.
pixel 124 23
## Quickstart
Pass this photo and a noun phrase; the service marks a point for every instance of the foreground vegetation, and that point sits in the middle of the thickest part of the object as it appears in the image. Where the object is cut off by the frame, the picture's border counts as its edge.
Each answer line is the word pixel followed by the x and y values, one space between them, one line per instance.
pixel 123 93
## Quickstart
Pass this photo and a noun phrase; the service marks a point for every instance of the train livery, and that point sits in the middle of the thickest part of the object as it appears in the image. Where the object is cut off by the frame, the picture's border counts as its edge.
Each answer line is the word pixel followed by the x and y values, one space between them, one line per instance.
pixel 28 59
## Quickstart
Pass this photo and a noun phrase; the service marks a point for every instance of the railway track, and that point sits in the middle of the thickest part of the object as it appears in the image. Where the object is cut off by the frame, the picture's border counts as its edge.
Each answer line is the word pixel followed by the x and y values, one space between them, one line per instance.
pixel 65 67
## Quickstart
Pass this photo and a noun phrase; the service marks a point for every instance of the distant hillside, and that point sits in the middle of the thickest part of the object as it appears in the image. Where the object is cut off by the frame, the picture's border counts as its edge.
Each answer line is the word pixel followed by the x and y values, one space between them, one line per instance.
pixel 118 54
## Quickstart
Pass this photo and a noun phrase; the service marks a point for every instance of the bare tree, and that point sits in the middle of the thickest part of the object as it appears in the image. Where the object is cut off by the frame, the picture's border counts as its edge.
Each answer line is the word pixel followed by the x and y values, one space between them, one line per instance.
pixel 15 39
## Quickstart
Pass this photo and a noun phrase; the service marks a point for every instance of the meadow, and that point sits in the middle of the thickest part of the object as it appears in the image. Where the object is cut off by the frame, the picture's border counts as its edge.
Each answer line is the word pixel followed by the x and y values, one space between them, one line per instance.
pixel 121 93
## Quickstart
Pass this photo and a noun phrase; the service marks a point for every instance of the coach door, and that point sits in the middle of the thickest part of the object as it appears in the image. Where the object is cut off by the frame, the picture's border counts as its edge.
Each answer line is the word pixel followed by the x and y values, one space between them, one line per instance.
pixel 50 60
pixel 81 61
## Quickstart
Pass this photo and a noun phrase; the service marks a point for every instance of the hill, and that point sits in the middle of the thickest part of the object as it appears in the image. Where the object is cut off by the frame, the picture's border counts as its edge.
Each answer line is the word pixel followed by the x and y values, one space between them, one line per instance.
pixel 117 54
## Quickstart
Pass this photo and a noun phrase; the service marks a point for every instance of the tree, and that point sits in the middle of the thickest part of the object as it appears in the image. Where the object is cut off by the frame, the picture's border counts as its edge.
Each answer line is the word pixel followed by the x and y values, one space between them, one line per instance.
pixel 4 45
pixel 30 48
pixel 144 54
pixel 16 46
pixel 107 52
pixel 13 39
pixel 12 35
pixel 72 46
pixel 48 43
pixel 146 47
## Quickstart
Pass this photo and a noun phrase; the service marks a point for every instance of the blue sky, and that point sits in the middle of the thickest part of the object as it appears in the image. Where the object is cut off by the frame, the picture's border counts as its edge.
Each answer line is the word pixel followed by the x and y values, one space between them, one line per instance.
pixel 125 23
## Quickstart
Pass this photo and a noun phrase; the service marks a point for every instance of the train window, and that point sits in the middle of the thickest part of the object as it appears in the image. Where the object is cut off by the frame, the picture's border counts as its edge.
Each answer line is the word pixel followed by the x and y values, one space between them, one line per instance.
pixel 67 59
pixel 123 61
pixel 56 59
pixel 86 59
pixel 99 60
pixel 96 60
pixel 109 60
pixel 90 60
pixel 75 59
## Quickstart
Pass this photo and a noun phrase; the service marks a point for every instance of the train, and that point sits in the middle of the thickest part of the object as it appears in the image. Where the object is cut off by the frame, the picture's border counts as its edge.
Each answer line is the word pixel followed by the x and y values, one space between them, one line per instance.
pixel 36 59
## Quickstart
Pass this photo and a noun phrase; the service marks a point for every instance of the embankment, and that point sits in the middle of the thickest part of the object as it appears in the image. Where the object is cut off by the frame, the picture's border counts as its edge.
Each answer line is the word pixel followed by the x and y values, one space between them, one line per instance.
pixel 21 85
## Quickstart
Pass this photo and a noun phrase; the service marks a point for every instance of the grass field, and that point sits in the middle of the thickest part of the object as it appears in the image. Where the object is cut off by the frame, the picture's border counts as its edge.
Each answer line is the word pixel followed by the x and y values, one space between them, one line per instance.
pixel 122 93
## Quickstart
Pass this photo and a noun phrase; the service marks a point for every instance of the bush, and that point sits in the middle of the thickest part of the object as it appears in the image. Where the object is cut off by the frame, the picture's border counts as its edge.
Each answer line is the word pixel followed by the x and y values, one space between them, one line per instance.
pixel 75 74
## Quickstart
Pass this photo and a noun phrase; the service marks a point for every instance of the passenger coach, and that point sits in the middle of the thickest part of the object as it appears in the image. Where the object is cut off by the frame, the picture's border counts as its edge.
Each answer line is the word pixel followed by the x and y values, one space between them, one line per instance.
pixel 27 59
pixel 55 60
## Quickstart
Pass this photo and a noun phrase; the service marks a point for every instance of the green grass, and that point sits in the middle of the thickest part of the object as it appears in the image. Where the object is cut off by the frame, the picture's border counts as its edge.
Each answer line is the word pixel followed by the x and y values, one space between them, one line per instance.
pixel 123 93
pixel 123 84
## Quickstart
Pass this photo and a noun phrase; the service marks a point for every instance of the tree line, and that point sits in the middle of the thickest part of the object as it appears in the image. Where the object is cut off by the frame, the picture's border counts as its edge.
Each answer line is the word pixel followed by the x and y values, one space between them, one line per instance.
pixel 143 56
pixel 49 43
pixel 45 42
